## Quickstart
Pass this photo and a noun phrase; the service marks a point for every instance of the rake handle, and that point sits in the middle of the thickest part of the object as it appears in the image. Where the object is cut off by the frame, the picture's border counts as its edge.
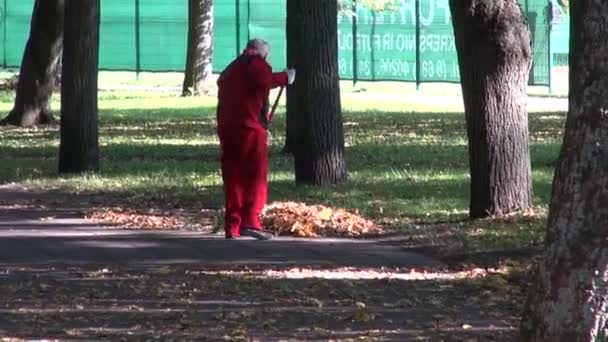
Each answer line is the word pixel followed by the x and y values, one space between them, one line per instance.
pixel 276 103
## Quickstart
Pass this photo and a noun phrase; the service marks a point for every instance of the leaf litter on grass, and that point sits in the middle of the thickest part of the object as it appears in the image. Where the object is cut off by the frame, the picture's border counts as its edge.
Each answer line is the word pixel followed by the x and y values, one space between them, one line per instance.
pixel 126 218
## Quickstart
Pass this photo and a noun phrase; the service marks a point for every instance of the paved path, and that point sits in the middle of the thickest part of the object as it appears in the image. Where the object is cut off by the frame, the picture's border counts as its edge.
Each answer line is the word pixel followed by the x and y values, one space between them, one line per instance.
pixel 74 241
pixel 55 236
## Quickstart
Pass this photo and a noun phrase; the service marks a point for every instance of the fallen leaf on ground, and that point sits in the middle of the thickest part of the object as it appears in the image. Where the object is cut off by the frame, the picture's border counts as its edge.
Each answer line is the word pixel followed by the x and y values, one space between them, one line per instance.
pixel 361 316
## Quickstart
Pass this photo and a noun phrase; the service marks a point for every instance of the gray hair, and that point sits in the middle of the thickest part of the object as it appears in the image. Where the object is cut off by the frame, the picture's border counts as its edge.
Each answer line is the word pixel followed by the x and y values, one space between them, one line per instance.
pixel 260 46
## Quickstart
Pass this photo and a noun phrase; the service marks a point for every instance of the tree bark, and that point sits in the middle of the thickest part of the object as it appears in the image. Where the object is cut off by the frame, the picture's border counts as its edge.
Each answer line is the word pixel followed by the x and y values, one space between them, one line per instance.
pixel 38 66
pixel 200 48
pixel 289 130
pixel 314 100
pixel 569 299
pixel 494 55
pixel 79 149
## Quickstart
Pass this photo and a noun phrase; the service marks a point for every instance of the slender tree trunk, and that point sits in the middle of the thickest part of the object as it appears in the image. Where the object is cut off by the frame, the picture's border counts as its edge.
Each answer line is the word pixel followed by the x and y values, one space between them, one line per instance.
pixel 494 54
pixel 38 66
pixel 569 299
pixel 200 47
pixel 79 149
pixel 314 101
pixel 291 25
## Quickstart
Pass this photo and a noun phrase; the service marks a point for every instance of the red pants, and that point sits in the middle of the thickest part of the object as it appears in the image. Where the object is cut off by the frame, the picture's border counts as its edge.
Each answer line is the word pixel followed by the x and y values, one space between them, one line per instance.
pixel 244 173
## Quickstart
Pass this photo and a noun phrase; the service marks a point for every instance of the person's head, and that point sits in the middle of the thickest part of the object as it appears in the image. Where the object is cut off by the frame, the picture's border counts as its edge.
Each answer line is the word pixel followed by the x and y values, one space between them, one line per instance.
pixel 259 47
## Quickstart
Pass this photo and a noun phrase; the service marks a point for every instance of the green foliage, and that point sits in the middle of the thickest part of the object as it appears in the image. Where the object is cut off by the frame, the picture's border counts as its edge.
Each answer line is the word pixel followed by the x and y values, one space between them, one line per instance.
pixel 380 5
pixel 345 6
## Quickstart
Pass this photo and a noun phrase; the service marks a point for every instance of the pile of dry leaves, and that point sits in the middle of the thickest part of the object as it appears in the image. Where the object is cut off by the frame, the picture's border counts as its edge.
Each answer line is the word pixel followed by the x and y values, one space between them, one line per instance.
pixel 299 219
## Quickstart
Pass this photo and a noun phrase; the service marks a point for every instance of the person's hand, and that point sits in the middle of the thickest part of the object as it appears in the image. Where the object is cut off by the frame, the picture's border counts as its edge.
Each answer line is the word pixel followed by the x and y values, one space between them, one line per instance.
pixel 291 76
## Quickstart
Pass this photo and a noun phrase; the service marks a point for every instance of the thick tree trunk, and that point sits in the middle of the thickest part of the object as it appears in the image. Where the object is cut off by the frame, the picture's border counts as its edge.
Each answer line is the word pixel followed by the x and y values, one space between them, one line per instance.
pixel 79 149
pixel 314 100
pixel 569 299
pixel 494 54
pixel 200 47
pixel 38 66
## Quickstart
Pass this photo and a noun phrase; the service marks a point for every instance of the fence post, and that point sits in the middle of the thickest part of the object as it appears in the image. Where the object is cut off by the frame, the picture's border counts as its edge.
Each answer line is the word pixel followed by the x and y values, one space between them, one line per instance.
pixel 355 47
pixel 417 44
pixel 550 52
pixel 4 16
pixel 238 26
pixel 137 42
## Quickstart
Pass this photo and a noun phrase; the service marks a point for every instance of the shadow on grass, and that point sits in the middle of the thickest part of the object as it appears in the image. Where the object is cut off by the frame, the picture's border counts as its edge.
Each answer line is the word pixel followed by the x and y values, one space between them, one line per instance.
pixel 410 180
pixel 547 125
pixel 365 157
pixel 197 185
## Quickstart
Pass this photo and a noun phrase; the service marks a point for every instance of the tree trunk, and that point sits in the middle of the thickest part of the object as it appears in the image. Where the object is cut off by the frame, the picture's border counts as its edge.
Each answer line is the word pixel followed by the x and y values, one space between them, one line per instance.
pixel 79 149
pixel 291 107
pixel 200 47
pixel 57 76
pixel 314 100
pixel 494 54
pixel 289 127
pixel 38 66
pixel 291 25
pixel 569 299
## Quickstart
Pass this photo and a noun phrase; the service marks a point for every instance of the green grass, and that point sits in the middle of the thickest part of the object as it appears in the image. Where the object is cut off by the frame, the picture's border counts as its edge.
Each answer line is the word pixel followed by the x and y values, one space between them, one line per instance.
pixel 406 156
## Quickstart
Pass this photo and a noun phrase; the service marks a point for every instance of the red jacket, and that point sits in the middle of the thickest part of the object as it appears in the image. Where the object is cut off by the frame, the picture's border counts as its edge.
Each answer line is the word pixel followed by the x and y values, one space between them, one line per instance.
pixel 243 89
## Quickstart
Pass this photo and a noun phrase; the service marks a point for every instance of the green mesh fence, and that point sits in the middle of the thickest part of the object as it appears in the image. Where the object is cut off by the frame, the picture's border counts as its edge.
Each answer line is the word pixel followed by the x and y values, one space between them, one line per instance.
pixel 411 42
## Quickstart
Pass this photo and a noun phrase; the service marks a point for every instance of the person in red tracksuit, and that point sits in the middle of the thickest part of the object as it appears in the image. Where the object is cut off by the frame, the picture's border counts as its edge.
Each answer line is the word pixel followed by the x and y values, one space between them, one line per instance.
pixel 242 115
